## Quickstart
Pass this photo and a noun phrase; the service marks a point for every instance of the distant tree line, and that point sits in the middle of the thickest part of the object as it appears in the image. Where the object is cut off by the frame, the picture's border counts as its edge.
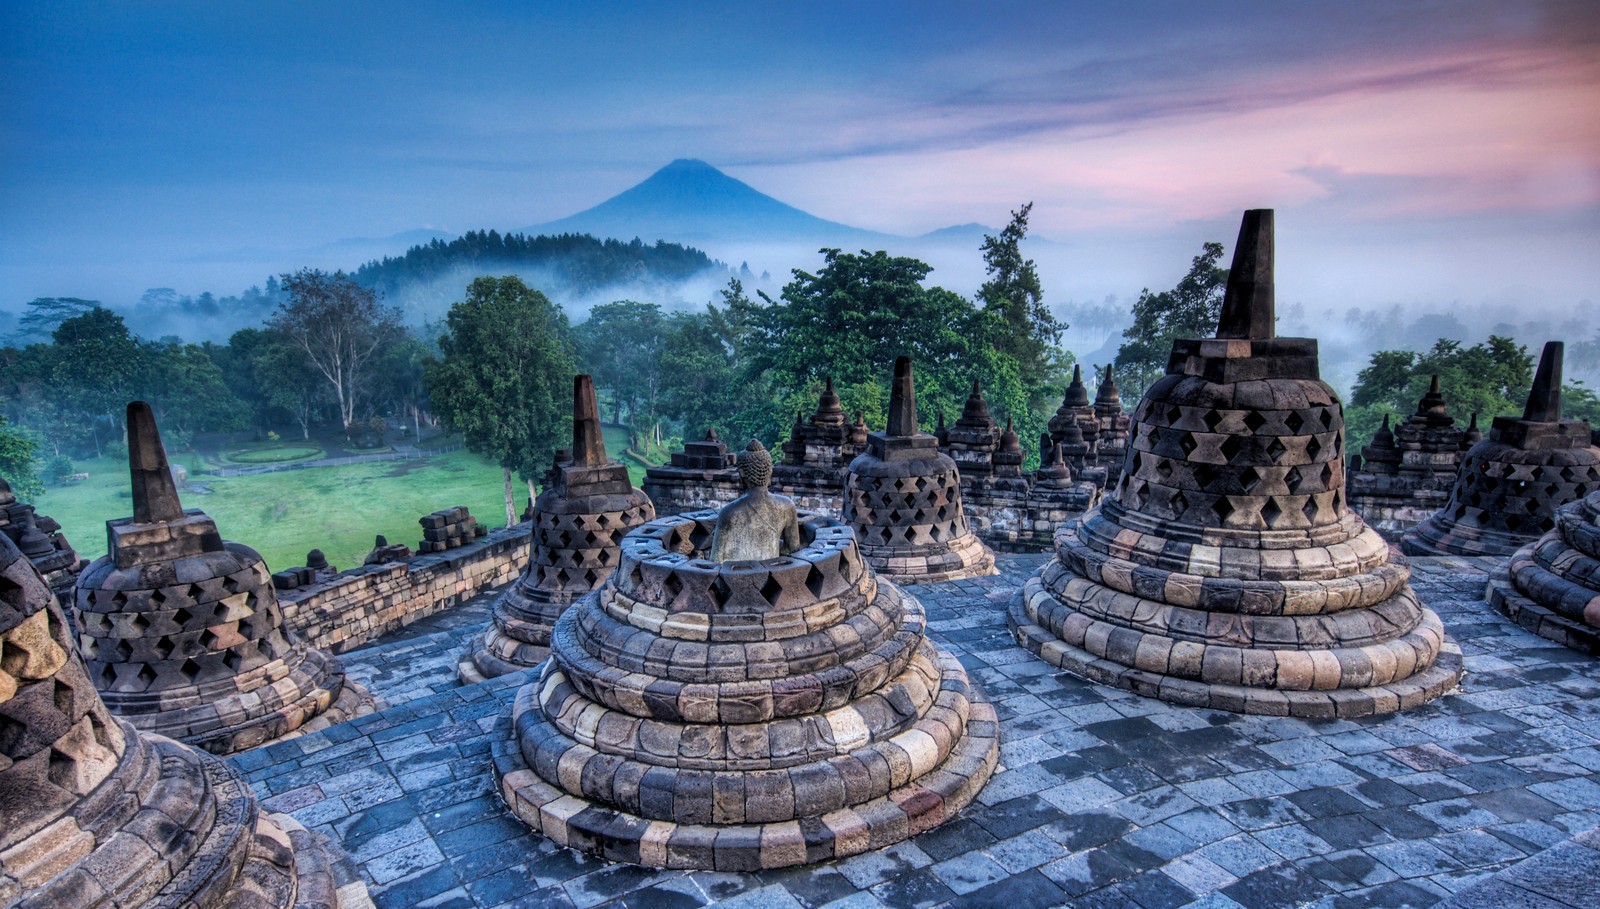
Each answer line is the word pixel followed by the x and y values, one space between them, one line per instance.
pixel 579 261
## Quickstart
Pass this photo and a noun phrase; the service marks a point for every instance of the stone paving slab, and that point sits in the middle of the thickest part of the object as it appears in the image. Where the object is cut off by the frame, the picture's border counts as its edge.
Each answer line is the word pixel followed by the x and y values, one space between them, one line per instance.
pixel 1104 798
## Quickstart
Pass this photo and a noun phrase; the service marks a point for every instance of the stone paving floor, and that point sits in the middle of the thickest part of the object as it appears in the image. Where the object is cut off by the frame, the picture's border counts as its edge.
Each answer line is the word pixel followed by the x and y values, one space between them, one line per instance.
pixel 1104 798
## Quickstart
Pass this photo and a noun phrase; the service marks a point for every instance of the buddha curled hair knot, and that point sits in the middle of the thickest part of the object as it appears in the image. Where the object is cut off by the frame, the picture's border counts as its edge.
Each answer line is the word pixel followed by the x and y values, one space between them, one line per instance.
pixel 755 465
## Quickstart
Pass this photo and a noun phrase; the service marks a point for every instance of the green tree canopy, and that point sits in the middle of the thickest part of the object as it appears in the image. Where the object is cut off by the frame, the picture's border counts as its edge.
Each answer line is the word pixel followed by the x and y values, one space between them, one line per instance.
pixel 342 329
pixel 1189 310
pixel 1026 330
pixel 854 316
pixel 504 378
pixel 18 456
pixel 620 345
pixel 1489 379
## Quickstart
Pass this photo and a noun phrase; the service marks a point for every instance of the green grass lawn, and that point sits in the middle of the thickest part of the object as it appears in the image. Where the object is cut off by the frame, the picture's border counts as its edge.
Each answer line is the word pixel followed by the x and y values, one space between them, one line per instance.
pixel 283 515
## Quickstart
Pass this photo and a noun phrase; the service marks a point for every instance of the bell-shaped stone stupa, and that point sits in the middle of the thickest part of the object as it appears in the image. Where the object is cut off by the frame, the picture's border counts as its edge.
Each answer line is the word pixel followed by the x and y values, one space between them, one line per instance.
pixel 902 497
pixel 578 522
pixel 1225 570
pixel 747 714
pixel 183 633
pixel 94 814
pixel 1552 587
pixel 1511 483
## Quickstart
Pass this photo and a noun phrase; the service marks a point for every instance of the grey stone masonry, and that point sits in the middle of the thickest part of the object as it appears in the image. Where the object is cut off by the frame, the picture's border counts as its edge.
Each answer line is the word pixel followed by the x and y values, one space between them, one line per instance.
pixel 1101 797
pixel 94 814
pixel 183 632
pixel 700 476
pixel 1552 586
pixel 902 498
pixel 578 523
pixel 743 715
pixel 40 539
pixel 1511 483
pixel 1406 474
pixel 448 528
pixel 1005 507
pixel 1225 570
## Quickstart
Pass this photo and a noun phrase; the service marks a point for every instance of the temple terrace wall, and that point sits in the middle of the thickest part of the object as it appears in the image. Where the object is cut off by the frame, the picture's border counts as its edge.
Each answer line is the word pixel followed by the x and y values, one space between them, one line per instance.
pixel 356 606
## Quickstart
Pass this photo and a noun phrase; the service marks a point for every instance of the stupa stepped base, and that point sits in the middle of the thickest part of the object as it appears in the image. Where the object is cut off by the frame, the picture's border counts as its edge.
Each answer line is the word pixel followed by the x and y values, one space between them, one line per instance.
pixel 499 652
pixel 1038 623
pixel 1568 626
pixel 965 557
pixel 926 786
pixel 311 696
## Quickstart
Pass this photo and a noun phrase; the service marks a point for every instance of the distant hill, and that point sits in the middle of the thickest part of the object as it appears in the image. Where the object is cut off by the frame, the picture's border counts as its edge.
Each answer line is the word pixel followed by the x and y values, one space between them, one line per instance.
pixel 580 262
pixel 691 201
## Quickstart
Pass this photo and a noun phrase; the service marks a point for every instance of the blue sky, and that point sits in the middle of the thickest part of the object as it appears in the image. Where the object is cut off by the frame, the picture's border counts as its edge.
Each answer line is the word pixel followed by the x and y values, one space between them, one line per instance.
pixel 200 146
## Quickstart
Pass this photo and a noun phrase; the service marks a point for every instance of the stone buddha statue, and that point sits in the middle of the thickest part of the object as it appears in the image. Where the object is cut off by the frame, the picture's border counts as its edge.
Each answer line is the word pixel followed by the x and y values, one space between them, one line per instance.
pixel 758 524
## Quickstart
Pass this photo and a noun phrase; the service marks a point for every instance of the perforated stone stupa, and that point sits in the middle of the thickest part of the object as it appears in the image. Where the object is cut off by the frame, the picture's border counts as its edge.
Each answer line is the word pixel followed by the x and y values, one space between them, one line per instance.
pixel 40 539
pixel 1406 474
pixel 578 523
pixel 1511 483
pixel 1115 425
pixel 1552 587
pixel 1225 570
pixel 902 497
pixel 94 814
pixel 182 632
pixel 744 715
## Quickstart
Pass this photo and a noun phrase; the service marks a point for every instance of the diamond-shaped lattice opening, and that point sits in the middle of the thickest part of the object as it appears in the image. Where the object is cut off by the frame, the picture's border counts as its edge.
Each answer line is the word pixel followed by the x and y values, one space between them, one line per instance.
pixel 1249 479
pixel 65 697
pixel 1212 419
pixel 190 669
pixel 672 585
pixel 1313 448
pixel 814 581
pixel 1327 475
pixel 1205 475
pixel 1325 415
pixel 1178 504
pixel 1275 449
pixel 182 617
pixel 603 519
pixel 771 590
pixel 164 647
pixel 139 623
pixel 1164 469
pixel 1270 512
pixel 232 660
pixel 146 675
pixel 1174 414
pixel 208 639
pixel 1188 444
pixel 1546 524
pixel 935 532
pixel 1294 421
pixel 1222 508
pixel 1231 446
pixel 1338 499
pixel 124 651
pixel 1310 509
pixel 720 591
pixel 1134 465
pixel 157 598
pixel 63 770
pixel 1513 522
pixel 1254 421
pixel 1293 479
